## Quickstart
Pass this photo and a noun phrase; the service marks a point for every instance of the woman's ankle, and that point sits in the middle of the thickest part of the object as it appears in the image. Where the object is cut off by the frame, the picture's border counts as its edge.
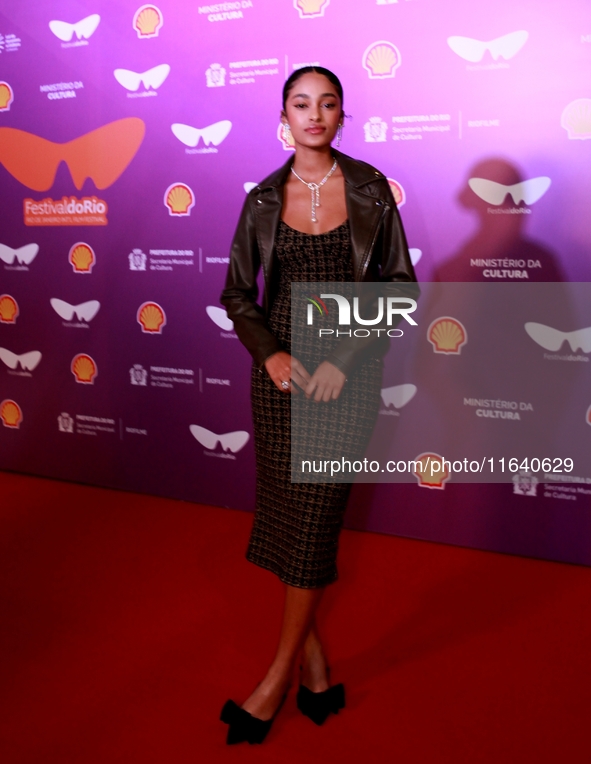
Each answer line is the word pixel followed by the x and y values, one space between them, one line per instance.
pixel 314 671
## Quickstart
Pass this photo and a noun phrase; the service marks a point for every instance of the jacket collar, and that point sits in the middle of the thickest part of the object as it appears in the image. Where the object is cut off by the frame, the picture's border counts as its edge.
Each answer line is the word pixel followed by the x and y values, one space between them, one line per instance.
pixel 356 174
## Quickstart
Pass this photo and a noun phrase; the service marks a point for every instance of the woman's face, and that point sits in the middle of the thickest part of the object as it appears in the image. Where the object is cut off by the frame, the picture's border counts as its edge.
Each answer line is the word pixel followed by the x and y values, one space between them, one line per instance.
pixel 313 111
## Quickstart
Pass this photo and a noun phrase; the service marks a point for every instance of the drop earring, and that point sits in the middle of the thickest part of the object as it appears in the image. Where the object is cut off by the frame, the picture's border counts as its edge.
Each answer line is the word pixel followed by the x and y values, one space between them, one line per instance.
pixel 339 134
pixel 286 133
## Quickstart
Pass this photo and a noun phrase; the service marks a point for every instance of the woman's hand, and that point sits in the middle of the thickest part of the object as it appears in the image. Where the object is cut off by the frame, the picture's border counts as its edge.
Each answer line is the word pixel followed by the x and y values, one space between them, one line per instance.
pixel 327 381
pixel 284 369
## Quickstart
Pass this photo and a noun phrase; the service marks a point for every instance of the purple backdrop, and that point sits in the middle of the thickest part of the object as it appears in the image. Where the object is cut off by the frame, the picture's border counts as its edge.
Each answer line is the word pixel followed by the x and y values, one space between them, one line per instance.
pixel 128 134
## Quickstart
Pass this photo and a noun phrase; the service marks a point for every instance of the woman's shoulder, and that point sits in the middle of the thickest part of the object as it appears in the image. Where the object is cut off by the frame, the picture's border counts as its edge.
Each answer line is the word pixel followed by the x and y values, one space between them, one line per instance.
pixel 358 172
pixel 275 179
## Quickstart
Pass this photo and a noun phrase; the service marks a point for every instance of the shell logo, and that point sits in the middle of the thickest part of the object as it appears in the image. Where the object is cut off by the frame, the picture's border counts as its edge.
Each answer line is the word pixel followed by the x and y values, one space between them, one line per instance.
pixel 447 335
pixel 588 416
pixel 148 21
pixel 84 369
pixel 8 309
pixel 285 137
pixel 81 257
pixel 6 96
pixel 310 9
pixel 11 414
pixel 381 59
pixel 179 199
pixel 151 318
pixel 576 119
pixel 397 191
pixel 432 471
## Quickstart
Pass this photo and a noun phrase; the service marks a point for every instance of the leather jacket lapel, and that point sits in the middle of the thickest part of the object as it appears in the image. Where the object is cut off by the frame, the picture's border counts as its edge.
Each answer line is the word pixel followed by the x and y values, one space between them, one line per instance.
pixel 268 214
pixel 363 227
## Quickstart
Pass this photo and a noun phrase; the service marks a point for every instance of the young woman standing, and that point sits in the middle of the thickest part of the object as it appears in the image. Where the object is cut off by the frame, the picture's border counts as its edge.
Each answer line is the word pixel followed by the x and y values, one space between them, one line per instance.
pixel 322 217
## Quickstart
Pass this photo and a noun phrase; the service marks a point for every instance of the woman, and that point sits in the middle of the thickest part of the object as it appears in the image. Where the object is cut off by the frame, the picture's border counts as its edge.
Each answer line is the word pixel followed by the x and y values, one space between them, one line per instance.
pixel 322 217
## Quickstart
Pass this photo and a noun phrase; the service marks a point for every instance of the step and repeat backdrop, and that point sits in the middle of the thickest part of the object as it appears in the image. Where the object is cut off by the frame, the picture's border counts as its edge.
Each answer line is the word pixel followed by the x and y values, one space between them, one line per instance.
pixel 130 135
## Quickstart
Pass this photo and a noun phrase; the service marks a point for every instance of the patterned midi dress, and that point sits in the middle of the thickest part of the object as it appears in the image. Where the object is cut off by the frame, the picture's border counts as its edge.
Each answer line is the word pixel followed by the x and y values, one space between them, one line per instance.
pixel 297 524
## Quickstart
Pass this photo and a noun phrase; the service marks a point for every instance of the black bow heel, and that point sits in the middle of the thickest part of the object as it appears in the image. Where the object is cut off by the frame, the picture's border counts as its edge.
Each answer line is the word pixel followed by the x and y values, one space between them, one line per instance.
pixel 244 726
pixel 318 705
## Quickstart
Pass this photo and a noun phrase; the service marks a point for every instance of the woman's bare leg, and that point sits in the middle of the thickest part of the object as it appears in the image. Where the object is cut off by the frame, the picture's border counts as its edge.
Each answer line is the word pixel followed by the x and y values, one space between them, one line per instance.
pixel 314 675
pixel 300 606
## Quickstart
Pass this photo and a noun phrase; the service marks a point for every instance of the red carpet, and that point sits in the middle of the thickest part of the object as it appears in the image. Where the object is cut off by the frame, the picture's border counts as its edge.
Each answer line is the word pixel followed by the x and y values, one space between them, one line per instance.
pixel 126 622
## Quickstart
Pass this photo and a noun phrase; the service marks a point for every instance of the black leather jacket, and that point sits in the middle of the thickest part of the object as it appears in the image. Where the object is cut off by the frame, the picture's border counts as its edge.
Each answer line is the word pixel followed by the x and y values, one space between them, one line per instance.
pixel 379 252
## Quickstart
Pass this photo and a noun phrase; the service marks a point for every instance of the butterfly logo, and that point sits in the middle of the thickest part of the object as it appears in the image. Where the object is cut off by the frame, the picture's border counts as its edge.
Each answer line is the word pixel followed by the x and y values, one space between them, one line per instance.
pixel 505 47
pixel 86 311
pixel 415 255
pixel 27 361
pixel 23 255
pixel 212 134
pixel 153 78
pixel 552 339
pixel 398 396
pixel 83 29
pixel 220 318
pixel 230 441
pixel 528 191
pixel 102 155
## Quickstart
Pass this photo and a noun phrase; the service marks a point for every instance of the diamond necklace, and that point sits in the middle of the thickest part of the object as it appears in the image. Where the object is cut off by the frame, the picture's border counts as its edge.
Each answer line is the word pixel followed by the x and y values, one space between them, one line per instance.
pixel 315 189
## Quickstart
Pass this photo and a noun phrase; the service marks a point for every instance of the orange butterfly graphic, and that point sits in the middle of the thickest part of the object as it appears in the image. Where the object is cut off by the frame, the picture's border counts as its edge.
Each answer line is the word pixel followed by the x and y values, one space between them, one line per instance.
pixel 102 155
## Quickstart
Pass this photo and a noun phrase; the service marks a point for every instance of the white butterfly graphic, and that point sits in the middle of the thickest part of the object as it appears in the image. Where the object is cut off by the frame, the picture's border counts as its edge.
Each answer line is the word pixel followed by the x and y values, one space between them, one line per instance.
pixel 506 46
pixel 552 339
pixel 399 395
pixel 86 311
pixel 230 441
pixel 28 361
pixel 212 134
pixel 220 318
pixel 24 255
pixel 84 28
pixel 153 78
pixel 415 255
pixel 528 191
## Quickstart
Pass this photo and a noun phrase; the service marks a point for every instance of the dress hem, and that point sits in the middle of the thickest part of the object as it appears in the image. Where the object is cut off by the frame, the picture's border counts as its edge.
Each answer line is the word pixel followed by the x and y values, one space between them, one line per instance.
pixel 286 579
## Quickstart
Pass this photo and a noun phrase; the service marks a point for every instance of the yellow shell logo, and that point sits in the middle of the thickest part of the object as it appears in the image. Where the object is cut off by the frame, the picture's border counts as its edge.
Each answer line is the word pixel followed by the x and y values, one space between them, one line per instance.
pixel 11 414
pixel 588 418
pixel 179 199
pixel 82 257
pixel 381 59
pixel 84 369
pixel 397 191
pixel 151 317
pixel 147 21
pixel 6 96
pixel 286 138
pixel 309 9
pixel 576 119
pixel 447 335
pixel 431 471
pixel 8 309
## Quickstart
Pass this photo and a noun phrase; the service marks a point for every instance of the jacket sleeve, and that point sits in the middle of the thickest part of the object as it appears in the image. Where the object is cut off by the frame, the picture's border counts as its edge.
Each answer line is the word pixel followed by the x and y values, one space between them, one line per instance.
pixel 241 290
pixel 391 266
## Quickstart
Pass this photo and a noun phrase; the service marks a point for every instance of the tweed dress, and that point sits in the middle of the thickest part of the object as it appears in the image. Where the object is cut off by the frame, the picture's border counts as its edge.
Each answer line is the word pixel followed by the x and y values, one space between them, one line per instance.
pixel 297 525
